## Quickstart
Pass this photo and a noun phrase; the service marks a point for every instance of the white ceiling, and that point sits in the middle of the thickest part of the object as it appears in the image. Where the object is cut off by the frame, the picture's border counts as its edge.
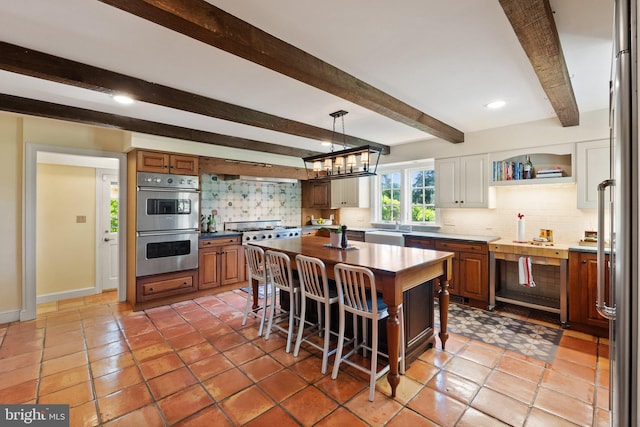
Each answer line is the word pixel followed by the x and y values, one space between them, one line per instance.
pixel 446 58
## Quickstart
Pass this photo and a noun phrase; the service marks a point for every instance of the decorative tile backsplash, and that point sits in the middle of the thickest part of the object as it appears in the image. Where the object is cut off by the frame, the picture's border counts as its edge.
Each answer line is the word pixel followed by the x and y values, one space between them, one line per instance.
pixel 251 200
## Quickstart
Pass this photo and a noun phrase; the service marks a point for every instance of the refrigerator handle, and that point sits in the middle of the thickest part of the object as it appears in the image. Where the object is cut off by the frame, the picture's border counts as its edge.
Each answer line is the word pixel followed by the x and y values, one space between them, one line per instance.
pixel 601 305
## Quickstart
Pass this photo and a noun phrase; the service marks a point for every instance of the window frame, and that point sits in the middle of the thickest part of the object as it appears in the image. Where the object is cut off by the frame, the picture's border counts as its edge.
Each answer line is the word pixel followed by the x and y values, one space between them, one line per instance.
pixel 405 172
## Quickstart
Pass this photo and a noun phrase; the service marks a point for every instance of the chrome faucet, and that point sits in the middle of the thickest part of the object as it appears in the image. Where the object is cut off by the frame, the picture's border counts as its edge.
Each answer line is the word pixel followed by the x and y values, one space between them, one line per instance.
pixel 397 225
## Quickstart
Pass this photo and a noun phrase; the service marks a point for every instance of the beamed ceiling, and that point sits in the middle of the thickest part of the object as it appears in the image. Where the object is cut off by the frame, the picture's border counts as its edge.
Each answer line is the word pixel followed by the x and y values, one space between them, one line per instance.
pixel 264 76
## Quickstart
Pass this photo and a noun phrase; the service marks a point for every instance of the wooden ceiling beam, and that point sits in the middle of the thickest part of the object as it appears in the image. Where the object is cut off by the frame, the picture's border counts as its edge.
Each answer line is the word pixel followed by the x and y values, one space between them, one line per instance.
pixel 533 23
pixel 41 65
pixel 203 21
pixel 50 110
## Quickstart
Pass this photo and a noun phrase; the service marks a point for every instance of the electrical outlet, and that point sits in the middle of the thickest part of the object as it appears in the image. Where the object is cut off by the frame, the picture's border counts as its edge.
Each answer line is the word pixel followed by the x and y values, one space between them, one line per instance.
pixel 81 219
pixel 449 221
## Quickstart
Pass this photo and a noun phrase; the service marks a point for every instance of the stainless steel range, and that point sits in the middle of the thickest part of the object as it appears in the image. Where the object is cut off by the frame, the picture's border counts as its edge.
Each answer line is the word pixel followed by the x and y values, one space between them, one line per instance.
pixel 263 230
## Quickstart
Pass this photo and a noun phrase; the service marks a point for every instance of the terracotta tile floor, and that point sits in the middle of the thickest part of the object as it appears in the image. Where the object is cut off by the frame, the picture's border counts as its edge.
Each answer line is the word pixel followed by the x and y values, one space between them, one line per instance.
pixel 193 364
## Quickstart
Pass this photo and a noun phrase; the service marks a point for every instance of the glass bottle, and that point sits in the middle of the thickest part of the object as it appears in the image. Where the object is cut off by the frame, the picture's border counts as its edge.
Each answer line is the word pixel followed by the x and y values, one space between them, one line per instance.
pixel 528 169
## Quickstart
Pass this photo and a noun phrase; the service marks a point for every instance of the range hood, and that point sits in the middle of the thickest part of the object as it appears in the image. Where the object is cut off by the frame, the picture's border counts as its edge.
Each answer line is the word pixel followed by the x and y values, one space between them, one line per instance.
pixel 260 179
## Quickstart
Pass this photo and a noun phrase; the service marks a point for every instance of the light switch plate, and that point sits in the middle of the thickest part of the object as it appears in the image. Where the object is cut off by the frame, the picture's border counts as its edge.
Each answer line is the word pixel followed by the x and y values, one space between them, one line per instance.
pixel 80 219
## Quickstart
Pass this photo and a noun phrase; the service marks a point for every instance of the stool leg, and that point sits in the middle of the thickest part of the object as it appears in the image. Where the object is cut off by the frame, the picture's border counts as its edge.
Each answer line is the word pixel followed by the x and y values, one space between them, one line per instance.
pixel 374 360
pixel 248 305
pixel 303 313
pixel 265 304
pixel 336 363
pixel 327 334
pixel 272 309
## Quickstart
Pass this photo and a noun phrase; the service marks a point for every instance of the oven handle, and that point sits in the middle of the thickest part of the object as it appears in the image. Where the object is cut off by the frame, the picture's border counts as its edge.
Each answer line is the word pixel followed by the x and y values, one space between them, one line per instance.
pixel 169 190
pixel 166 232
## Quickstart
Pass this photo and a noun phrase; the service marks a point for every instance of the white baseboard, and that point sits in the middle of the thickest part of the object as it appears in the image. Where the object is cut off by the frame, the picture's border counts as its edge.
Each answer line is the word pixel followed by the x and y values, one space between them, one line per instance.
pixel 9 316
pixel 57 296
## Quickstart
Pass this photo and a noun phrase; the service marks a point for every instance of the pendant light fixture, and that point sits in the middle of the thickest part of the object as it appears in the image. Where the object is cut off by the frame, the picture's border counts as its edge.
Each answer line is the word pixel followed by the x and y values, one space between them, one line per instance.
pixel 346 163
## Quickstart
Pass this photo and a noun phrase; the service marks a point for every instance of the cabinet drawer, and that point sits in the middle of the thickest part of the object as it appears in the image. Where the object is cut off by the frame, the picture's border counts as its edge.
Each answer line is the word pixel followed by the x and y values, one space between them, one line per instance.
pixel 419 242
pixel 457 246
pixel 219 241
pixel 165 285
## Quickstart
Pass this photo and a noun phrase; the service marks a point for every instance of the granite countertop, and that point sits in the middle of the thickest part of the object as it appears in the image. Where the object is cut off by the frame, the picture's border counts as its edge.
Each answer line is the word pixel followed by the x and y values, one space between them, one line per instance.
pixel 575 247
pixel 219 234
pixel 452 236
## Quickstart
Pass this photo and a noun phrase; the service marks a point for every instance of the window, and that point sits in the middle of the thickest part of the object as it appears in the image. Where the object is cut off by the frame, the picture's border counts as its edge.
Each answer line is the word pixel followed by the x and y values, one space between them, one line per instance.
pixel 406 195
pixel 423 195
pixel 390 185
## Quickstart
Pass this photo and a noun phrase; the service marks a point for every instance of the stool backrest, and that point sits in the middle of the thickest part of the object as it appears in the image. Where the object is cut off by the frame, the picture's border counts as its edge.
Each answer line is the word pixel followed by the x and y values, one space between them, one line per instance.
pixel 356 286
pixel 279 267
pixel 255 263
pixel 313 277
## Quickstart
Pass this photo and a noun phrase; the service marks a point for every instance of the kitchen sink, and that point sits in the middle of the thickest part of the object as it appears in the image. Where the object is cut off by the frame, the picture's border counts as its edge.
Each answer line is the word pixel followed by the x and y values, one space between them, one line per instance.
pixel 388 237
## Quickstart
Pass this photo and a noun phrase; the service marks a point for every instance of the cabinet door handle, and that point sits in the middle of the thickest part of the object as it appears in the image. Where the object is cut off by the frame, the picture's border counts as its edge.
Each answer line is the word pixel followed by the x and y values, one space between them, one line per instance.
pixel 150 289
pixel 584 261
pixel 461 201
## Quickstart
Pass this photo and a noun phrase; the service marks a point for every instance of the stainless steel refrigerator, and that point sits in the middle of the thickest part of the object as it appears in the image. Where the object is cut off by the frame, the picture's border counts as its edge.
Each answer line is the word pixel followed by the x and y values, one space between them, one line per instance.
pixel 621 303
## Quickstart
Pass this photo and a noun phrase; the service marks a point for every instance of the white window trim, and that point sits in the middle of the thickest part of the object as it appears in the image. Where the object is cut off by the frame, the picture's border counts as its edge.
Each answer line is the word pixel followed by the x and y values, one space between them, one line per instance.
pixel 405 188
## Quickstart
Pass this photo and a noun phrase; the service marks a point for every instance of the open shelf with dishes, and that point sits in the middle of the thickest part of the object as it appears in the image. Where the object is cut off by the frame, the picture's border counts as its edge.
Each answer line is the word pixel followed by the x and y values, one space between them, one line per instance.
pixel 553 165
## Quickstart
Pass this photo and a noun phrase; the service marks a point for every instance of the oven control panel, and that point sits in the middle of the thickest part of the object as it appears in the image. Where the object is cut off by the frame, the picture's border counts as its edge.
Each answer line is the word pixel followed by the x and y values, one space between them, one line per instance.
pixel 159 180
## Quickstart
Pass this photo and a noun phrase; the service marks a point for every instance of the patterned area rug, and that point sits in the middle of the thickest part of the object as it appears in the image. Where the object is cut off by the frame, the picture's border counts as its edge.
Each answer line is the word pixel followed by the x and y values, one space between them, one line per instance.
pixel 522 337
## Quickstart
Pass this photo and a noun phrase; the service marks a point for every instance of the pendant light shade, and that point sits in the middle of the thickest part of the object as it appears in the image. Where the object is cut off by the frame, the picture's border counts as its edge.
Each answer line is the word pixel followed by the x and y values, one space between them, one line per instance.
pixel 347 163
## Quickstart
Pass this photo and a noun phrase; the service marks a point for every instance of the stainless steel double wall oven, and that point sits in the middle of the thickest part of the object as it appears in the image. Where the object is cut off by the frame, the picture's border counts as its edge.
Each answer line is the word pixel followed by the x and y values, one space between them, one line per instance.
pixel 167 223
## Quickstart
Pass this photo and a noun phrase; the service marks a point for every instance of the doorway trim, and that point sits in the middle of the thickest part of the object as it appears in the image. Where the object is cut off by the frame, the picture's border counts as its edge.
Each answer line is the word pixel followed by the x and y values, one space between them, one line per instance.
pixel 29 206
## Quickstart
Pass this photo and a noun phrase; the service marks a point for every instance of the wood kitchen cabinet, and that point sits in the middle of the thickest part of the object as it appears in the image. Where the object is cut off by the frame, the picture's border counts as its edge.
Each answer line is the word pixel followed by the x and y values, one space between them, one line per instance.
pixel 583 283
pixel 470 275
pixel 350 193
pixel 158 162
pixel 316 194
pixel 355 235
pixel 461 182
pixel 166 285
pixel 470 267
pixel 221 262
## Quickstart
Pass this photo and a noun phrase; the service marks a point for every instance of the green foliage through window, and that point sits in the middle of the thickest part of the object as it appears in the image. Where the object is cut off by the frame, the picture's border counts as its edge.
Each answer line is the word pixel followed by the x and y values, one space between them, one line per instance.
pixel 113 216
pixel 423 195
pixel 390 201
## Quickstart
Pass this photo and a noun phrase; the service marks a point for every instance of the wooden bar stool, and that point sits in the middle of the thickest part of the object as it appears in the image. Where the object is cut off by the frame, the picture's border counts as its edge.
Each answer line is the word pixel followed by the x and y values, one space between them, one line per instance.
pixel 357 295
pixel 256 271
pixel 315 286
pixel 279 273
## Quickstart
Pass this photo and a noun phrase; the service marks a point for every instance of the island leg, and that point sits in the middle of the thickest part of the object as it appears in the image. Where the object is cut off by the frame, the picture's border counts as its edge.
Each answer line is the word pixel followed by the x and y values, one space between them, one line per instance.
pixel 254 286
pixel 443 301
pixel 393 342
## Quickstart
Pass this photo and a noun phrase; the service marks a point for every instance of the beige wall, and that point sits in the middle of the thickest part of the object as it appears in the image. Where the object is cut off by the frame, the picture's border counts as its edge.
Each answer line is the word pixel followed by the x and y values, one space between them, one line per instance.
pixel 15 131
pixel 10 214
pixel 65 248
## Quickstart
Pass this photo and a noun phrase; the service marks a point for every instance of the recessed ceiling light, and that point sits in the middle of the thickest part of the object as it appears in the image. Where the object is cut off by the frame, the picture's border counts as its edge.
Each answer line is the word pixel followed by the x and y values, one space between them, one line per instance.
pixel 326 144
pixel 496 104
pixel 123 99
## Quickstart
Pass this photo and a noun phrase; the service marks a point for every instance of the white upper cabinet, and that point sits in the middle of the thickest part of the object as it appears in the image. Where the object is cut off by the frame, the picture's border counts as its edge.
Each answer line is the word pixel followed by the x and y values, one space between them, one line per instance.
pixel 593 168
pixel 350 193
pixel 461 182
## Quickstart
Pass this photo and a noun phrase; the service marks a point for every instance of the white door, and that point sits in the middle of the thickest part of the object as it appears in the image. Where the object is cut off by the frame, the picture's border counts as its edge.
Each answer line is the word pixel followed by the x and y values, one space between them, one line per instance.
pixel 108 230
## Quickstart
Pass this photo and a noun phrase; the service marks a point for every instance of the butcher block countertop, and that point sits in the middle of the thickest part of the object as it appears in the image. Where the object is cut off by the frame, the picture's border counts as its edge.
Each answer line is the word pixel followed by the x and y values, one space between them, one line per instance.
pixel 505 246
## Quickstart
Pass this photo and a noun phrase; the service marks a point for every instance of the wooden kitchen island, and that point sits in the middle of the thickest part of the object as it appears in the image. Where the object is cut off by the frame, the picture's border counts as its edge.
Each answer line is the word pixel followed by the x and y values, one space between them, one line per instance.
pixel 399 271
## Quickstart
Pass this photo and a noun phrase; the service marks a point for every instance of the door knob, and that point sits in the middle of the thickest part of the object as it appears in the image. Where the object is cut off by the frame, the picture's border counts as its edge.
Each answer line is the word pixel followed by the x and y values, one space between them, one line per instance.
pixel 106 239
